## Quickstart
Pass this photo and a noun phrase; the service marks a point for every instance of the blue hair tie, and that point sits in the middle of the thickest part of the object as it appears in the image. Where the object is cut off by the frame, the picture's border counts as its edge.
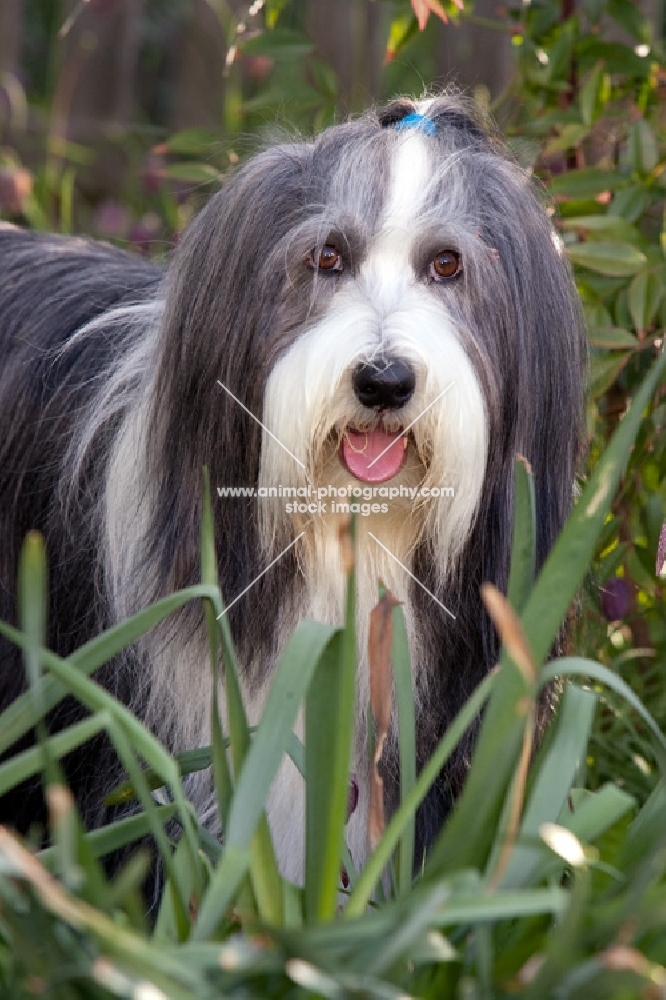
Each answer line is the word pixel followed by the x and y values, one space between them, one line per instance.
pixel 415 120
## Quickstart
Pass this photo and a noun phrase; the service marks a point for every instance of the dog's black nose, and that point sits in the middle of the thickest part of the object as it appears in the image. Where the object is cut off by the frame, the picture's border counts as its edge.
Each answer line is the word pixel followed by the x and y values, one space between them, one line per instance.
pixel 388 388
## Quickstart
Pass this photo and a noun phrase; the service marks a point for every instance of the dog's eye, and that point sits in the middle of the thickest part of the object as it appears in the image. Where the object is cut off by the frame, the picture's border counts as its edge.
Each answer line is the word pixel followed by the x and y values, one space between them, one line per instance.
pixel 447 264
pixel 325 259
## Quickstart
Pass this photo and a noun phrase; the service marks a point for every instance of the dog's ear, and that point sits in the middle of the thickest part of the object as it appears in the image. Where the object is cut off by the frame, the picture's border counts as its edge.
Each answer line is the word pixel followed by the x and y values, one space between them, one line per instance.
pixel 535 299
pixel 223 289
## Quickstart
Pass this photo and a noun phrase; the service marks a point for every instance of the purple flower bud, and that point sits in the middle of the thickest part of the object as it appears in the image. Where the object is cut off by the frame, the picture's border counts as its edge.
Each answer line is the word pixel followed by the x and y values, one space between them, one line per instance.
pixel 352 795
pixel 258 68
pixel 661 552
pixel 615 599
pixel 111 220
pixel 144 233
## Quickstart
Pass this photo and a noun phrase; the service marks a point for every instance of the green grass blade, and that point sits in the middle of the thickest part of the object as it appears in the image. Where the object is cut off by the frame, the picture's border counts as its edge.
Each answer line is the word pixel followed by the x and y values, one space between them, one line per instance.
pixel 23 765
pixel 189 761
pixel 266 881
pixel 467 839
pixel 555 769
pixel 273 736
pixel 329 728
pixel 404 700
pixel 563 945
pixel 577 666
pixel 209 574
pixel 128 735
pixel 22 714
pixel 523 547
pixel 116 835
pixel 32 608
pixel 291 682
pixel 32 601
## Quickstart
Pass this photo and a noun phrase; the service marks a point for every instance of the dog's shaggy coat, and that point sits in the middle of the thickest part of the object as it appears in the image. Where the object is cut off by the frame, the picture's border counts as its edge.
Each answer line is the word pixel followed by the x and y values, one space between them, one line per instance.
pixel 397 274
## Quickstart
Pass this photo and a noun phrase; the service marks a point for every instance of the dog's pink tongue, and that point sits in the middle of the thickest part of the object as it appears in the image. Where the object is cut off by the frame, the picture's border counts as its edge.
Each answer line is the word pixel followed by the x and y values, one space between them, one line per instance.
pixel 361 451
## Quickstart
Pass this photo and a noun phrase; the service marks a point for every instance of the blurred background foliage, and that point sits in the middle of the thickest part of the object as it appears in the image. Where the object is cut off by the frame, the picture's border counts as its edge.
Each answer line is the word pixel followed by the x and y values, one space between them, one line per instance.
pixel 119 117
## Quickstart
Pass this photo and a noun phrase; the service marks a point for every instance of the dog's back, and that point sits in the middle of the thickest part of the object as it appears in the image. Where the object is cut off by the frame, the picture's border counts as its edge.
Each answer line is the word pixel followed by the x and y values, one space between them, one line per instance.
pixel 50 287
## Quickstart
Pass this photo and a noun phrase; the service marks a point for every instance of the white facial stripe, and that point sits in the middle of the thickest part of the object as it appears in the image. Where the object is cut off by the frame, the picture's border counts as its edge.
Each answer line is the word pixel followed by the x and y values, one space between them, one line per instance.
pixel 387 270
pixel 410 173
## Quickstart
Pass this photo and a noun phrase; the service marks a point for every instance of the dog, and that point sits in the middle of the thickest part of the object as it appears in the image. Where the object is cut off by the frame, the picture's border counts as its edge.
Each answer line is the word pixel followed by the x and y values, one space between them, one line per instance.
pixel 383 317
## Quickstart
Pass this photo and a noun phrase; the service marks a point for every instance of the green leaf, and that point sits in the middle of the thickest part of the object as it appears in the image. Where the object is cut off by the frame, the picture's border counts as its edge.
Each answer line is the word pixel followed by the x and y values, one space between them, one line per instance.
pixel 642 148
pixel 614 259
pixel 116 835
pixel 280 43
pixel 570 136
pixel 192 173
pixel 403 28
pixel 591 95
pixel 585 183
pixel 193 142
pixel 630 203
pixel 613 338
pixel 618 58
pixel 630 17
pixel 611 225
pixel 129 738
pixel 564 945
pixel 32 599
pixel 273 10
pixel 645 295
pixel 604 371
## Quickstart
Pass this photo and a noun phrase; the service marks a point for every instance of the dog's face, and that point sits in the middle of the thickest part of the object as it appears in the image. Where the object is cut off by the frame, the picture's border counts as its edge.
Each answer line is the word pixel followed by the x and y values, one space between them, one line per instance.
pixel 377 388
pixel 392 302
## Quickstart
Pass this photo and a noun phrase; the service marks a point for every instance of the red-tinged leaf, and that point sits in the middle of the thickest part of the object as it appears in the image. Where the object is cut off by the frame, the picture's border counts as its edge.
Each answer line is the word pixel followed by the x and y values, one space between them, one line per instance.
pixel 424 8
pixel 422 13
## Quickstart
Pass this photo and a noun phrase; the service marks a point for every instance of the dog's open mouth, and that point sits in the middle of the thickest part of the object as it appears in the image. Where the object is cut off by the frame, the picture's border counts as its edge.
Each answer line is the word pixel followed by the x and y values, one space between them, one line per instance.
pixel 373 456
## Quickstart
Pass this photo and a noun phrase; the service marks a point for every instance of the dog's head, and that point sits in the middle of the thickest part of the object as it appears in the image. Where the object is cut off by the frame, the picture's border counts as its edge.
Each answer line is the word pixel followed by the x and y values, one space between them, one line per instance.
pixel 392 302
